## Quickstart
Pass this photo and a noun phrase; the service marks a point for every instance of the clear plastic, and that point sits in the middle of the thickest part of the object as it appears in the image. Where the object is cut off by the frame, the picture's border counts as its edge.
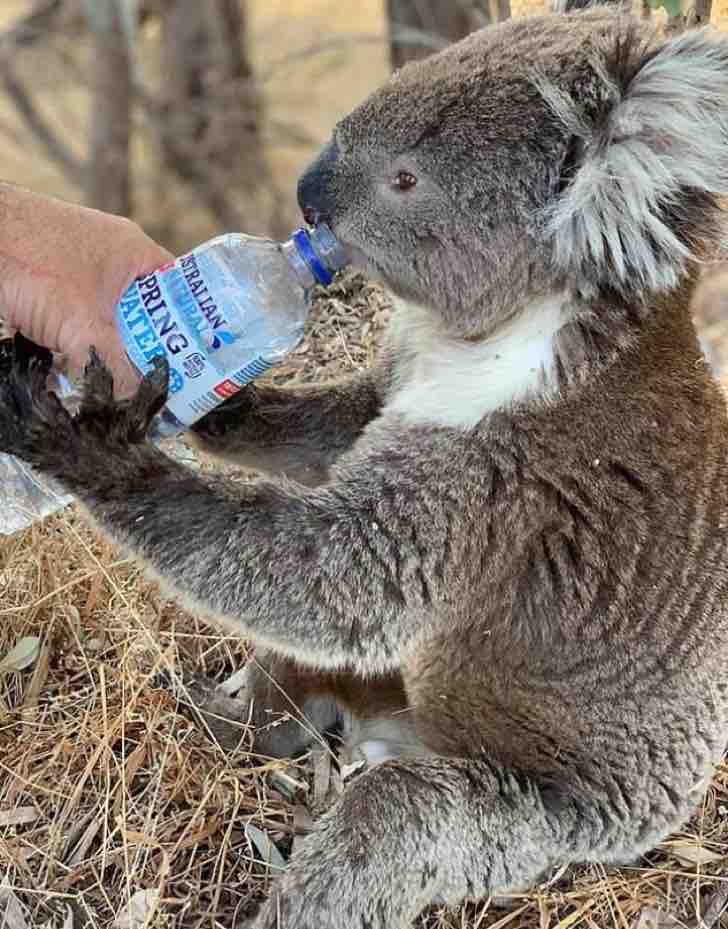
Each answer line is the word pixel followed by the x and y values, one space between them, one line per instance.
pixel 26 495
pixel 222 315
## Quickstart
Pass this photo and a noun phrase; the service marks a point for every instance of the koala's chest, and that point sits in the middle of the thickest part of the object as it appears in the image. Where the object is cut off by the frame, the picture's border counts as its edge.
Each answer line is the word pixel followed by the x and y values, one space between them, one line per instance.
pixel 442 380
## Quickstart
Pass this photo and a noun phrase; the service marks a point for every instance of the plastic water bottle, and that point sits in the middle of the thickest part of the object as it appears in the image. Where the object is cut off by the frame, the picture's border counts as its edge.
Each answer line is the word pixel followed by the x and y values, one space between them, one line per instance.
pixel 222 315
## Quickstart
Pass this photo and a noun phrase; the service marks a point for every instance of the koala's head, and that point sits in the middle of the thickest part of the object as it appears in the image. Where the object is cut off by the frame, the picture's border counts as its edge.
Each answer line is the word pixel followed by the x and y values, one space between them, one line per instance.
pixel 576 151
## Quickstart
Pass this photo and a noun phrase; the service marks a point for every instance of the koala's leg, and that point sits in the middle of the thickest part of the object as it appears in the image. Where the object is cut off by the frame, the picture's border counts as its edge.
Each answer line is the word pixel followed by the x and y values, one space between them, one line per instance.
pixel 295 432
pixel 287 707
pixel 408 834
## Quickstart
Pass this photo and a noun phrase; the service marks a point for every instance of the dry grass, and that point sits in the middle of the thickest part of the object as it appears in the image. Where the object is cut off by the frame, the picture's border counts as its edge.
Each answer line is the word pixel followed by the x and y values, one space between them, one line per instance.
pixel 107 789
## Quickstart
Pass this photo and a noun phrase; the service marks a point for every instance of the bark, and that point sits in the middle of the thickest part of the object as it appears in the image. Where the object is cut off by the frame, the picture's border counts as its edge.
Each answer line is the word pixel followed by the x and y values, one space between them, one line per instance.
pixel 108 185
pixel 211 117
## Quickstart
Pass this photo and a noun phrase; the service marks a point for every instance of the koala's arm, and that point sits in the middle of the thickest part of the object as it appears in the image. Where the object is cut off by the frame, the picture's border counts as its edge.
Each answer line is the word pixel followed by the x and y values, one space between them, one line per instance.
pixel 331 576
pixel 295 432
pixel 337 576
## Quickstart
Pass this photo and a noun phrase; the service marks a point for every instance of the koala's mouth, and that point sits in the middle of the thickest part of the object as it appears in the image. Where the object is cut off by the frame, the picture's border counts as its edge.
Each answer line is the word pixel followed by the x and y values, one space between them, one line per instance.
pixel 356 257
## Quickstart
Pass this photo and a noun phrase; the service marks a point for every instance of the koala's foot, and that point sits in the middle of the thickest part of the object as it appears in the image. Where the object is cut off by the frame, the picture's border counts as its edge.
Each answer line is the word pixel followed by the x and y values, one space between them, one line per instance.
pixel 88 449
pixel 283 717
pixel 225 718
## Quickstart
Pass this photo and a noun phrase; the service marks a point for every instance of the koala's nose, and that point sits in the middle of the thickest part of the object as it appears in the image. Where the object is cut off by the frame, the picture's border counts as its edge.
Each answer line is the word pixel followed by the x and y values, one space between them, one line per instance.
pixel 316 189
pixel 311 215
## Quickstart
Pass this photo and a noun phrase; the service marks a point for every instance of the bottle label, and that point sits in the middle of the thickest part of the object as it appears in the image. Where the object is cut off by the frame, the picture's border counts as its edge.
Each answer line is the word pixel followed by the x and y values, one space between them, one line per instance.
pixel 189 310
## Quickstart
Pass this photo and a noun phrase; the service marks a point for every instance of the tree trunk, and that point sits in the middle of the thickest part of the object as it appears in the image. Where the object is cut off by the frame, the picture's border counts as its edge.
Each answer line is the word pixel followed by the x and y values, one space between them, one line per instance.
pixel 419 27
pixel 235 134
pixel 211 122
pixel 108 185
pixel 187 58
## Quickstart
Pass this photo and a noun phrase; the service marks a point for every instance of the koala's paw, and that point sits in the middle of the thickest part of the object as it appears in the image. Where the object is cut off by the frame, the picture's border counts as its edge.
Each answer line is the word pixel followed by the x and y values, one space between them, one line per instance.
pixel 229 416
pixel 35 426
pixel 225 718
pixel 124 422
pixel 30 417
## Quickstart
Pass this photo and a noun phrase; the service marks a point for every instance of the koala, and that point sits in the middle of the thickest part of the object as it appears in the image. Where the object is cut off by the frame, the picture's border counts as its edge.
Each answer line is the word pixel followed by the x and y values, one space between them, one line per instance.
pixel 501 554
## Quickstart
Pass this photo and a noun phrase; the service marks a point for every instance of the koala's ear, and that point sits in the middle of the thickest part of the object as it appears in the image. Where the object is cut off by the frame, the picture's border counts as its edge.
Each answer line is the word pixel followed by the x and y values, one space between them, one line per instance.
pixel 639 199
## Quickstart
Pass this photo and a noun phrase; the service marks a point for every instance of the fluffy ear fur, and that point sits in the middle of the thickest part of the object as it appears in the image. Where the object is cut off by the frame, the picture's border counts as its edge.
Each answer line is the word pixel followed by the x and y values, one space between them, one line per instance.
pixel 640 202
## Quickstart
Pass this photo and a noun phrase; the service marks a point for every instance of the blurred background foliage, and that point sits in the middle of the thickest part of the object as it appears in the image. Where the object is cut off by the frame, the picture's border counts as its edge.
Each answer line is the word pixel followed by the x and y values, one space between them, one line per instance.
pixel 197 117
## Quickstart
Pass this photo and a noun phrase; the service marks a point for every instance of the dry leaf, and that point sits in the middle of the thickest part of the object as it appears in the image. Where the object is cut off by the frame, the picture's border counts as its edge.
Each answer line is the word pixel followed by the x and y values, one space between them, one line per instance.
pixel 74 616
pixel 22 656
pixel 133 763
pixel 650 918
pixel 321 774
pixel 81 838
pixel 12 914
pixel 132 837
pixel 19 817
pixel 138 910
pixel 689 853
pixel 349 770
pixel 268 851
pixel 38 679
pixel 209 829
pixel 286 785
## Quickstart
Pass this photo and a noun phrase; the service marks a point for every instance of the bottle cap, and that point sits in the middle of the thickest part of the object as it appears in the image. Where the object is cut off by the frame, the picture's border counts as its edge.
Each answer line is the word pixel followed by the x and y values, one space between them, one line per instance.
pixel 321 251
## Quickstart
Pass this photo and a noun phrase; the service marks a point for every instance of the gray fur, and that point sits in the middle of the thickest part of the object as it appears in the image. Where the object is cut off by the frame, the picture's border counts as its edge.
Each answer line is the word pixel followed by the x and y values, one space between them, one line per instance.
pixel 539 594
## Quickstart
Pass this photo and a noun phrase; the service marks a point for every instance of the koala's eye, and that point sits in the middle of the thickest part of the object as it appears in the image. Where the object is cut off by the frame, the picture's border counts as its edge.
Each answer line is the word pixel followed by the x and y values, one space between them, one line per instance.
pixel 404 181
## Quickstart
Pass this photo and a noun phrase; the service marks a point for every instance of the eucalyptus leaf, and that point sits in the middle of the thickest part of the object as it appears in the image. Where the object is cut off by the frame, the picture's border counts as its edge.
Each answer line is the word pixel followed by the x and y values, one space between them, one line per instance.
pixel 691 854
pixel 137 912
pixel 650 918
pixel 22 655
pixel 268 851
pixel 12 913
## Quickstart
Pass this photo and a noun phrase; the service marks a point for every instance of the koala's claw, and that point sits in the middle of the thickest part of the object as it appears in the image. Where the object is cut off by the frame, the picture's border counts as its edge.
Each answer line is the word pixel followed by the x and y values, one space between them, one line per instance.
pixel 98 387
pixel 151 395
pixel 127 421
pixel 35 426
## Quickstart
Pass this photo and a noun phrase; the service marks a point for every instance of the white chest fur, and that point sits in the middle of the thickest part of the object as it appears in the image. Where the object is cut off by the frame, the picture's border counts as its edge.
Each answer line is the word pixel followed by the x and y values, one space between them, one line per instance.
pixel 449 382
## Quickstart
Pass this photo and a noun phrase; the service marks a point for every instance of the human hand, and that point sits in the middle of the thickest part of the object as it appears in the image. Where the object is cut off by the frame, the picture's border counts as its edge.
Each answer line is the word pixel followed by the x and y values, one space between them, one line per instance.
pixel 63 268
